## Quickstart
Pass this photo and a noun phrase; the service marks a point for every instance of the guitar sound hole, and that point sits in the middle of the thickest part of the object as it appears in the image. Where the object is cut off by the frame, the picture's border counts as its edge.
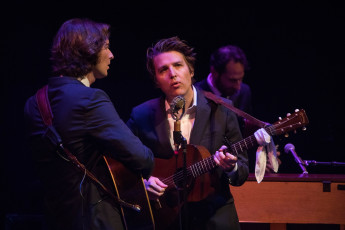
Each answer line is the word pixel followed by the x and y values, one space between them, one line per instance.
pixel 174 196
pixel 179 179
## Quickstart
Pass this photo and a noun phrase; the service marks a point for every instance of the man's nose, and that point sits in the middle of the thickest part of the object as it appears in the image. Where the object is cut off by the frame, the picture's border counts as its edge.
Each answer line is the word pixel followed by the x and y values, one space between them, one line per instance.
pixel 172 73
pixel 111 55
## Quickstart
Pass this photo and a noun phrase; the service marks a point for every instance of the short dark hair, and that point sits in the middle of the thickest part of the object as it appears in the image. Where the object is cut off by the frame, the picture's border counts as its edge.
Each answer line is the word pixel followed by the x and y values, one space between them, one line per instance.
pixel 76 46
pixel 220 58
pixel 166 45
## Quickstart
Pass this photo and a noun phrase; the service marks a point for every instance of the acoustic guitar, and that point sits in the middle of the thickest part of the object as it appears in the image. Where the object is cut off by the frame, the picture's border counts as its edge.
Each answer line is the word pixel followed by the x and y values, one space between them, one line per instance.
pixel 130 187
pixel 200 179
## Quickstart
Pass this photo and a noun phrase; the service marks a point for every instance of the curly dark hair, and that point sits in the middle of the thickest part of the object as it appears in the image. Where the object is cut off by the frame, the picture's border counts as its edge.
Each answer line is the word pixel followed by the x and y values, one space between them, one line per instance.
pixel 76 47
pixel 220 58
pixel 166 45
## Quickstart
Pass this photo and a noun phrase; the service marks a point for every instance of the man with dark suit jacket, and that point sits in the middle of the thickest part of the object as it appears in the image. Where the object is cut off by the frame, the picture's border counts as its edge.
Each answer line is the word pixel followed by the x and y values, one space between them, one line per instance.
pixel 202 123
pixel 90 128
pixel 227 69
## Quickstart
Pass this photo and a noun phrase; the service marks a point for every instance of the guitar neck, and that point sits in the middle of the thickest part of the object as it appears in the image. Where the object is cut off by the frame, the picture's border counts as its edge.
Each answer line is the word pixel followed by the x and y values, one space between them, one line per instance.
pixel 250 141
pixel 208 163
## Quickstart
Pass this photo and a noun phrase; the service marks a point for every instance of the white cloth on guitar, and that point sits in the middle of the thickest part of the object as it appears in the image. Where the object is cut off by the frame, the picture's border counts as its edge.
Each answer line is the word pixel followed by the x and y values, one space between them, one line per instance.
pixel 266 149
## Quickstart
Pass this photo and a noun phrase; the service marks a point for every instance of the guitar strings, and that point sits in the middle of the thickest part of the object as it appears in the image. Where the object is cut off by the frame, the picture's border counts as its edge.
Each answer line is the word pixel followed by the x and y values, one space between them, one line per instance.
pixel 251 139
pixel 199 168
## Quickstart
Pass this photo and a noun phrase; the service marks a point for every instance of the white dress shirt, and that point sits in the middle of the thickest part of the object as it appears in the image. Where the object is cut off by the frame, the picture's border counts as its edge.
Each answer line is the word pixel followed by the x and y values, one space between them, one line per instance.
pixel 187 120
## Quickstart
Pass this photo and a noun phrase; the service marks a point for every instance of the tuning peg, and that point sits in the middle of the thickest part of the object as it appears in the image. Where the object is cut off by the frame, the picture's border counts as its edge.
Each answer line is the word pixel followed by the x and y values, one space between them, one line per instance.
pixel 296 110
pixel 288 114
pixel 280 118
pixel 286 135
pixel 304 128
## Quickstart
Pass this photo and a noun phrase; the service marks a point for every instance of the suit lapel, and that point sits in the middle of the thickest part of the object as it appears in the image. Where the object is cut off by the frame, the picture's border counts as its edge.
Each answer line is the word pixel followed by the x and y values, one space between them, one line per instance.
pixel 162 127
pixel 202 117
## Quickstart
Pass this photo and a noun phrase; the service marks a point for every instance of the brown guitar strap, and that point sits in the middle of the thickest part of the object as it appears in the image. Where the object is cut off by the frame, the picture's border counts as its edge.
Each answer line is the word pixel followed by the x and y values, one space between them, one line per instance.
pixel 47 116
pixel 239 112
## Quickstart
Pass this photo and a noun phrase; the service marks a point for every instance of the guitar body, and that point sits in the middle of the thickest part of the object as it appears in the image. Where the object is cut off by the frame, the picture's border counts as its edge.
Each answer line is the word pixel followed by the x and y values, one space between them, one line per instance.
pixel 130 187
pixel 170 171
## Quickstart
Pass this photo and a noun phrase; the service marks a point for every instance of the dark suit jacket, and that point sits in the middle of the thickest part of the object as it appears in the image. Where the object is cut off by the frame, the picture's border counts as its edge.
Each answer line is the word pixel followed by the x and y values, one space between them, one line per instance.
pixel 241 100
pixel 149 122
pixel 89 127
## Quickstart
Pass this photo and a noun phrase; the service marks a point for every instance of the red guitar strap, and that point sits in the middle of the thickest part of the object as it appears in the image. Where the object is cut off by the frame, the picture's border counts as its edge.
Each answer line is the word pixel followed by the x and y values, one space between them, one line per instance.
pixel 44 106
pixel 47 116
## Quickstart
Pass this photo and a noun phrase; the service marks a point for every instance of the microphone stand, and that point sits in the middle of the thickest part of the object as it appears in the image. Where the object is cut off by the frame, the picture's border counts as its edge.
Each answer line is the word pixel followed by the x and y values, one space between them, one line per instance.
pixel 301 163
pixel 184 149
pixel 179 140
pixel 290 148
pixel 332 163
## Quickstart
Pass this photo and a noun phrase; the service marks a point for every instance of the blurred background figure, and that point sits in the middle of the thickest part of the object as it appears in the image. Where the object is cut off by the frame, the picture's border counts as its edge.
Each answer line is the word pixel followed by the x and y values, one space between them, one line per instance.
pixel 227 69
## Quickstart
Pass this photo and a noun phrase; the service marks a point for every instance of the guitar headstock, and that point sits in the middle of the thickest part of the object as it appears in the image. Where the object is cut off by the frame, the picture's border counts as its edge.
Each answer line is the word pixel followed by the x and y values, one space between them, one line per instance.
pixel 291 122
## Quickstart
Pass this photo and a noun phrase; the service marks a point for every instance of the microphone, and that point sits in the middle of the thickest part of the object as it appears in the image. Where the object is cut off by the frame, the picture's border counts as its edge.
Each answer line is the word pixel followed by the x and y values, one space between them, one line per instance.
pixel 291 148
pixel 177 104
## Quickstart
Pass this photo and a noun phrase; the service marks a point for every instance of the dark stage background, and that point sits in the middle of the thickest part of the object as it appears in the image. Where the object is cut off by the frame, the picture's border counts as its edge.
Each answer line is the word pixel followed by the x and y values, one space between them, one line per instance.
pixel 296 54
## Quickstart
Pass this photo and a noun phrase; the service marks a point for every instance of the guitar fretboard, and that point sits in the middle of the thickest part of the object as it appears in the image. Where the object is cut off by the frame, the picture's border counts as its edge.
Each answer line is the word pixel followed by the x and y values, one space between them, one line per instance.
pixel 208 163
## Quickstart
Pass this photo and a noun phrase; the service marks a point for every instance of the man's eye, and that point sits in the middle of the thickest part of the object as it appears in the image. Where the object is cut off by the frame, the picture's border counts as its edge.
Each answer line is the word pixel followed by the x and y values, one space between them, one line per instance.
pixel 162 70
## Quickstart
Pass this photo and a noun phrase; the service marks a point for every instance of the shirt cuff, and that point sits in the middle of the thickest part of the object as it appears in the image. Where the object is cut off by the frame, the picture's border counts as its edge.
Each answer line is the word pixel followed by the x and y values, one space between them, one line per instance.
pixel 232 174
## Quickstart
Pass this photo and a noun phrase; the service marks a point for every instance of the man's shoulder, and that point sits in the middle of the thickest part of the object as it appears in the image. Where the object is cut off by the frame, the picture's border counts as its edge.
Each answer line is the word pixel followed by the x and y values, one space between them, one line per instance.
pixel 203 85
pixel 245 87
pixel 149 104
pixel 146 110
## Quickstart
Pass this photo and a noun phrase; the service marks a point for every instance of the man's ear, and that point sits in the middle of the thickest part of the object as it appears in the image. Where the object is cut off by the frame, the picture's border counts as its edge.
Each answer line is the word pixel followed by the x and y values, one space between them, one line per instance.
pixel 191 70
